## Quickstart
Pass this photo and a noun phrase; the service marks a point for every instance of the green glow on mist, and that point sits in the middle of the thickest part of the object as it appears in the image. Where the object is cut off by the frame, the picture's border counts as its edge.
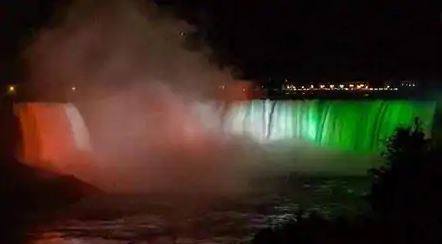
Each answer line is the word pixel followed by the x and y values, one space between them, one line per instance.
pixel 359 126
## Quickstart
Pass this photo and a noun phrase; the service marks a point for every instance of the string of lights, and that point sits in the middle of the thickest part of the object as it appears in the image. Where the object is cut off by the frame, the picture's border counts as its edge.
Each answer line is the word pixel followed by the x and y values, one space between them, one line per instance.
pixel 350 86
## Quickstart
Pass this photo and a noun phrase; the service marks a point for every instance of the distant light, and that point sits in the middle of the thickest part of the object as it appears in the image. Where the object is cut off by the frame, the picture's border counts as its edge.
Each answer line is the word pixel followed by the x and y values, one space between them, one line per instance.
pixel 341 86
pixel 322 86
pixel 351 85
pixel 11 89
pixel 312 86
pixel 332 86
pixel 74 88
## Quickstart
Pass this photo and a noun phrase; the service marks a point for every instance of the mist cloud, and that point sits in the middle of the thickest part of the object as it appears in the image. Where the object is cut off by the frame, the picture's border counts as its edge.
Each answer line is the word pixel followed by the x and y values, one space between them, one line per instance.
pixel 137 87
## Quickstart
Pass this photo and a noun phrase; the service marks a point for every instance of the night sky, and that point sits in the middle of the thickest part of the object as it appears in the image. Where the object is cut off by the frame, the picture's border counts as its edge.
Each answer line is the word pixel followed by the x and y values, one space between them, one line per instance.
pixel 308 39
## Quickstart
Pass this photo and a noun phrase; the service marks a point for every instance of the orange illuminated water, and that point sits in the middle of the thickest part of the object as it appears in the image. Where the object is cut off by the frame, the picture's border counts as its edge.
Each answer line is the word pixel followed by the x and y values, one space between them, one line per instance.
pixel 54 136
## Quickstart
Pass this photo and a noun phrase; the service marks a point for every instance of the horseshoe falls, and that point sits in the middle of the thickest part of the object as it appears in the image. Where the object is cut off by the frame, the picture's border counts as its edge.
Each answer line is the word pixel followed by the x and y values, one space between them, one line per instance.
pixel 356 126
pixel 295 132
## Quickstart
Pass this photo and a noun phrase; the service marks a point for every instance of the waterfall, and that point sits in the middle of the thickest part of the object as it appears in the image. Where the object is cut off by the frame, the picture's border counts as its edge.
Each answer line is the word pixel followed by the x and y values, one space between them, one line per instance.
pixel 53 135
pixel 361 126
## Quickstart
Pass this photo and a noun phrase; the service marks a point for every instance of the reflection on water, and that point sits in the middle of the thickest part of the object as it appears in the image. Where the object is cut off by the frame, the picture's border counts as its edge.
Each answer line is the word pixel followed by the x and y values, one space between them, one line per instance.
pixel 235 222
pixel 145 219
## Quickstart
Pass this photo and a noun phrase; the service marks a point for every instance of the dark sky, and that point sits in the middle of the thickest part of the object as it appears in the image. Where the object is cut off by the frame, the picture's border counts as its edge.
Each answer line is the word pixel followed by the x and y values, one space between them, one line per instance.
pixel 308 39
pixel 315 39
pixel 18 20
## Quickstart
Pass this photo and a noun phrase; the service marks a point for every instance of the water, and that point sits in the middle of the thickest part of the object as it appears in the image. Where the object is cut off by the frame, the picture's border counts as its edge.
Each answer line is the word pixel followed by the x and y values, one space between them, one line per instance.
pixel 53 135
pixel 356 126
pixel 56 133
pixel 342 137
pixel 318 135
pixel 143 219
pixel 198 219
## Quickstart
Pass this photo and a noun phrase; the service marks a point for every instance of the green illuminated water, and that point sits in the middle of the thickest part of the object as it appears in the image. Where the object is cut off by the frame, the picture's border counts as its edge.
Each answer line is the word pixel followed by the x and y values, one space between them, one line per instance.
pixel 360 126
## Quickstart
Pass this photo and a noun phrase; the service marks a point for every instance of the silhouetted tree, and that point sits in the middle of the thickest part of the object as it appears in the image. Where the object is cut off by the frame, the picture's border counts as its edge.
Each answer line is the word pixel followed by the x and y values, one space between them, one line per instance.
pixel 405 154
pixel 407 192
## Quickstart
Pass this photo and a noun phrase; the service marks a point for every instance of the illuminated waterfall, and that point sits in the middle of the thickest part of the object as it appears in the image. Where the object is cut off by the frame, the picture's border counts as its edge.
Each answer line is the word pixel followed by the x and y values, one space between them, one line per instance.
pixel 54 136
pixel 361 126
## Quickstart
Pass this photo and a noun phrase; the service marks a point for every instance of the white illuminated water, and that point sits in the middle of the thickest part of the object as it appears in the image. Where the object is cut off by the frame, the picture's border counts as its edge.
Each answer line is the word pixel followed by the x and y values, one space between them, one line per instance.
pixel 78 127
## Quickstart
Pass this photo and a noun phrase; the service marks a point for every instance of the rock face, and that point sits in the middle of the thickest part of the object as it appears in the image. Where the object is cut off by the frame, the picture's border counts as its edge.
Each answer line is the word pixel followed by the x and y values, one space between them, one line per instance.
pixel 27 192
pixel 29 189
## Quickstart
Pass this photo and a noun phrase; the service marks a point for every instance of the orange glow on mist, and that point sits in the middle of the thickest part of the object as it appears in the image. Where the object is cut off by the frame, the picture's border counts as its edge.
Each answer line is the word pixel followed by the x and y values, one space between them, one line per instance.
pixel 238 91
pixel 48 136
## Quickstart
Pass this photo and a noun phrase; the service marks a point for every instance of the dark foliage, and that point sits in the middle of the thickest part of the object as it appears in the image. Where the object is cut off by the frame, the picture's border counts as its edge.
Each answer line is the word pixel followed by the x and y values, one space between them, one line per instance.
pixel 406 200
pixel 407 192
pixel 407 152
